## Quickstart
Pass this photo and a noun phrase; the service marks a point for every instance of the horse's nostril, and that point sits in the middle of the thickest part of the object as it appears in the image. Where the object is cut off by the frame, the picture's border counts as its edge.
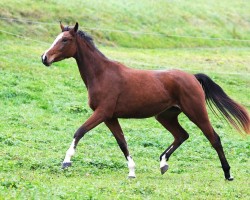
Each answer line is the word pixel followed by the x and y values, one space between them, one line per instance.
pixel 44 58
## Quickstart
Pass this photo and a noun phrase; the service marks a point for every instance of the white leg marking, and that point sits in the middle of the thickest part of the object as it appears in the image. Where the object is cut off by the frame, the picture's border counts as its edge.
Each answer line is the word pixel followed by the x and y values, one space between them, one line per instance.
pixel 169 149
pixel 70 152
pixel 53 44
pixel 131 167
pixel 163 161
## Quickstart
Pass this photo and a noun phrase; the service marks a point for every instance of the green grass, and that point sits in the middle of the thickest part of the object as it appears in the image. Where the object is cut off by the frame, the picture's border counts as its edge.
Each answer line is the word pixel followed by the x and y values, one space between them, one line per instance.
pixel 41 107
pixel 225 19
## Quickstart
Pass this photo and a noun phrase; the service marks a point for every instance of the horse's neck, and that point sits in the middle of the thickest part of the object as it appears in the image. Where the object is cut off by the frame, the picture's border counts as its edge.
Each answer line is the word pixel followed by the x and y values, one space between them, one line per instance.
pixel 90 63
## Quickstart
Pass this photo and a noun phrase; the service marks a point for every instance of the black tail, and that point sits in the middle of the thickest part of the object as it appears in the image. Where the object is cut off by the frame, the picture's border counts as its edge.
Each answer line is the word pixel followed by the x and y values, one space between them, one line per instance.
pixel 234 113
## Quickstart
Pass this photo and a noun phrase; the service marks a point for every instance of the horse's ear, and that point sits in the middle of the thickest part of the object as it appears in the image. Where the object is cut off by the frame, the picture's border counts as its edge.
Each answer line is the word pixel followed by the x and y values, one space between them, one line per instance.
pixel 76 27
pixel 62 27
pixel 74 30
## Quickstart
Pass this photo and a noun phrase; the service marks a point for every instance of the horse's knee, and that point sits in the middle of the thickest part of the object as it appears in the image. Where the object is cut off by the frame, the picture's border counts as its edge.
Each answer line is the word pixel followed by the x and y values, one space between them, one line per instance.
pixel 182 137
pixel 185 136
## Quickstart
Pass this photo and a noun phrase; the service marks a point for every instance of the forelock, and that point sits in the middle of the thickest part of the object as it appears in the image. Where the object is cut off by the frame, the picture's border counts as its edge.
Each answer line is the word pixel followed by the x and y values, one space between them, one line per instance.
pixel 67 28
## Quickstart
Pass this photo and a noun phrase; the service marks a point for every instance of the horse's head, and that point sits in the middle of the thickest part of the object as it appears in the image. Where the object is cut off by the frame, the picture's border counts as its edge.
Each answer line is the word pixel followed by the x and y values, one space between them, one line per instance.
pixel 63 47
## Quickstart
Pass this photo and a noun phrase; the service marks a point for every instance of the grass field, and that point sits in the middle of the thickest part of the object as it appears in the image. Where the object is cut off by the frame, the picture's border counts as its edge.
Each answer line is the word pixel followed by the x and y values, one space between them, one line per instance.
pixel 144 24
pixel 41 107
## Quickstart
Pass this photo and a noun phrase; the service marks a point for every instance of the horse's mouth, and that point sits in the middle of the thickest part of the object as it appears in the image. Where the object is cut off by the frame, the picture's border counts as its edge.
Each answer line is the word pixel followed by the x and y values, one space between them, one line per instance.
pixel 45 61
pixel 47 64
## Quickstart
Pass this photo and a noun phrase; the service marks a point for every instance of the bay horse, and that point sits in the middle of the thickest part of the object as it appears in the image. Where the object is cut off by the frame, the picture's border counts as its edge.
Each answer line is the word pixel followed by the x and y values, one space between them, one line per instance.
pixel 116 91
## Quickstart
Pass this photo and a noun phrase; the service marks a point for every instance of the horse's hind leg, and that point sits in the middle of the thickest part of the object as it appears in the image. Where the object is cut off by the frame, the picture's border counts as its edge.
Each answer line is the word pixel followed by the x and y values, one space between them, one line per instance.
pixel 198 115
pixel 169 119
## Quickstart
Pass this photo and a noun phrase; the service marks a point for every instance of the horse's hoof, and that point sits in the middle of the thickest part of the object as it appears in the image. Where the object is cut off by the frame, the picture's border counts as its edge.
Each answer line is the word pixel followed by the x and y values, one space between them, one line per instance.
pixel 131 175
pixel 230 178
pixel 164 169
pixel 66 165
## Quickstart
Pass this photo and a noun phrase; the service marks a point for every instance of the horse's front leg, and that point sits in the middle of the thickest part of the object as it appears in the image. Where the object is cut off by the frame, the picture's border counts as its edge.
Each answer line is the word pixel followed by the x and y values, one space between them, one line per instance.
pixel 95 119
pixel 115 128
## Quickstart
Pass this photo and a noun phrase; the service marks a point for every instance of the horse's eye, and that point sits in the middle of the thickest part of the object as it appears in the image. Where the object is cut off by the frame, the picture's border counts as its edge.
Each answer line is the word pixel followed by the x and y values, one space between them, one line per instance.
pixel 64 40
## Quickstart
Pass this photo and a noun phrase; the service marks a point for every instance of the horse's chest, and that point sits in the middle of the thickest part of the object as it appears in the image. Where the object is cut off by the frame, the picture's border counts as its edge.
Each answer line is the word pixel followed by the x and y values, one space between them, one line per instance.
pixel 93 102
pixel 95 98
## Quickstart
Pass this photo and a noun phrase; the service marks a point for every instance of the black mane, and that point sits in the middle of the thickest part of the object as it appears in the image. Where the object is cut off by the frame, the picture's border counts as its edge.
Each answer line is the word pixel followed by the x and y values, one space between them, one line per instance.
pixel 86 38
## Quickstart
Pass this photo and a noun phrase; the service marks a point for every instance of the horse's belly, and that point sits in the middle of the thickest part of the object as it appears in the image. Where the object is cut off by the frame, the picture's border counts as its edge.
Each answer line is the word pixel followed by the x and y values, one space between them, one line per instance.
pixel 141 109
pixel 143 113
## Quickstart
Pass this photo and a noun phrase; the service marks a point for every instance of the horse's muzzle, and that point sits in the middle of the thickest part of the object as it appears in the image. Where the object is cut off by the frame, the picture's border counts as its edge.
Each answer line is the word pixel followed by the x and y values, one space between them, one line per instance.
pixel 45 60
